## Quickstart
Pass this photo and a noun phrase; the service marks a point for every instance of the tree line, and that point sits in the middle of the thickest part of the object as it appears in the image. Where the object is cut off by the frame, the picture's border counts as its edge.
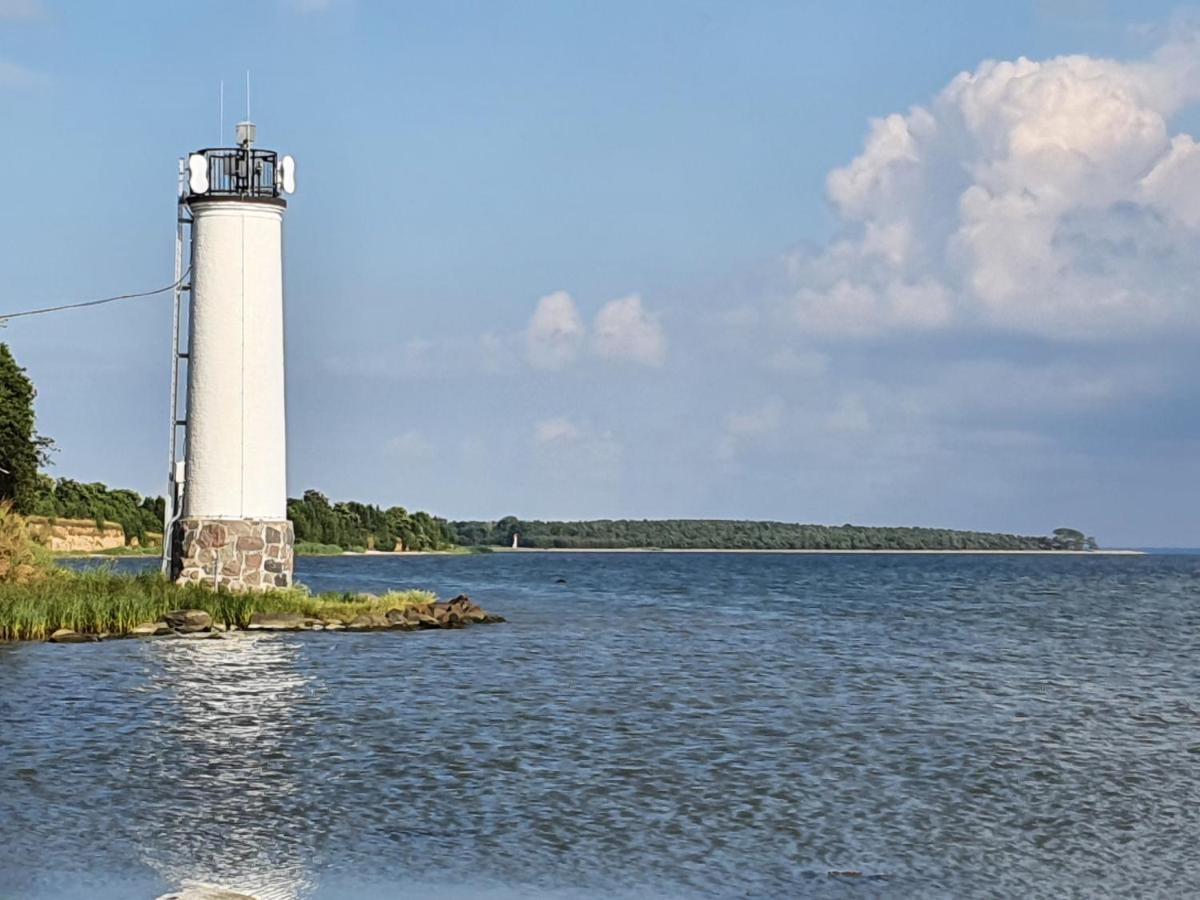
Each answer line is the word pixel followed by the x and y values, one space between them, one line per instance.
pixel 63 498
pixel 728 534
pixel 360 526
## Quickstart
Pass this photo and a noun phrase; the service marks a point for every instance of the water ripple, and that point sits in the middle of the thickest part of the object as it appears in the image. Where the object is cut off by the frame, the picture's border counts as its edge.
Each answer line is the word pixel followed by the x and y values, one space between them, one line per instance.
pixel 662 725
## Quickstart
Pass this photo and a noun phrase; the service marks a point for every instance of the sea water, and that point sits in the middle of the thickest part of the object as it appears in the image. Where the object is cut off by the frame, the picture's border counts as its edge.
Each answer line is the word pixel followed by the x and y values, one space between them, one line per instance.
pixel 644 725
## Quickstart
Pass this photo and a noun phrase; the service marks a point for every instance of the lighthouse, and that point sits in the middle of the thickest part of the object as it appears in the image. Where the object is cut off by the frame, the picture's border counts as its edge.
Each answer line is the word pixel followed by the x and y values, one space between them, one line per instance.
pixel 226 521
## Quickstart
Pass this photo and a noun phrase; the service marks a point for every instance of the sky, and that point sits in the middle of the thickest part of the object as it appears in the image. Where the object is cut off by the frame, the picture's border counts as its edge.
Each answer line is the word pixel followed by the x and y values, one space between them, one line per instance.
pixel 928 264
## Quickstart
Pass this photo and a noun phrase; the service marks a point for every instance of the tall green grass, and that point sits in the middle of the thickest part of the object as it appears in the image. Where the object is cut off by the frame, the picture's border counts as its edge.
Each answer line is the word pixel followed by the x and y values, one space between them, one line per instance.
pixel 311 548
pixel 100 601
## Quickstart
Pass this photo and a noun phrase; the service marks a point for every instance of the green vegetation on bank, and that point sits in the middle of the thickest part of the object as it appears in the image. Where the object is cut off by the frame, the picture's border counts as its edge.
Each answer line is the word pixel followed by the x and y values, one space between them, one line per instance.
pixel 351 525
pixel 102 602
pixel 699 534
pixel 66 499
pixel 311 548
pixel 22 449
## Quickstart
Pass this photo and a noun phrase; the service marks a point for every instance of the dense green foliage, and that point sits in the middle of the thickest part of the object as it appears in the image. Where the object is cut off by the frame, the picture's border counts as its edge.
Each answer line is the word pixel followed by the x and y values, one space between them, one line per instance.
pixel 67 499
pixel 684 534
pixel 352 525
pixel 22 449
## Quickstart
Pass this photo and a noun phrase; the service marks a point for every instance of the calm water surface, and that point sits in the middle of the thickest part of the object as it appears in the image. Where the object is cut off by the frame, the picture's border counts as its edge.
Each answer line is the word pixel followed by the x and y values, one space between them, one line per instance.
pixel 659 725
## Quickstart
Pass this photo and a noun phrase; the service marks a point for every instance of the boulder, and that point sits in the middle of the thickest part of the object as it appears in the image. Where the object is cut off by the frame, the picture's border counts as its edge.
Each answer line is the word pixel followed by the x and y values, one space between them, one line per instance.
pixel 369 620
pixel 150 629
pixel 423 619
pixel 398 618
pixel 188 621
pixel 281 622
pixel 67 636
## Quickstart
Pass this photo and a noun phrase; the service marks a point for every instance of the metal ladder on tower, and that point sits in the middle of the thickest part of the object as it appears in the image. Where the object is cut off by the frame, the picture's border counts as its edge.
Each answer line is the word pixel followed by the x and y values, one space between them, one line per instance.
pixel 176 475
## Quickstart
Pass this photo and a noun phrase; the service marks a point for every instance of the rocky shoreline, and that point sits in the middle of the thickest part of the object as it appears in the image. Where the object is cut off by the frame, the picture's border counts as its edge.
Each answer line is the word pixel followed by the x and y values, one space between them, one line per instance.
pixel 459 612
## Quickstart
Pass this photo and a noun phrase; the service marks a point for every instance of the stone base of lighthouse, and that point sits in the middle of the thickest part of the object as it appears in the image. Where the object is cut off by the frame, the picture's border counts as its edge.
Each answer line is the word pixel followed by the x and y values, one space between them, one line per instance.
pixel 237 554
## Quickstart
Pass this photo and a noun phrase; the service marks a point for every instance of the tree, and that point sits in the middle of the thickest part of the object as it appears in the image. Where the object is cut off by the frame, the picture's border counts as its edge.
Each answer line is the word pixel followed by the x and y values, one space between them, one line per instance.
pixel 1069 539
pixel 22 449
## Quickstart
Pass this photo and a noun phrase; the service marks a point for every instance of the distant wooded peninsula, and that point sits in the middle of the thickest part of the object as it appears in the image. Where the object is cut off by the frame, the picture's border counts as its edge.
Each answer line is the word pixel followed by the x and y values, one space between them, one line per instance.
pixel 736 534
pixel 322 526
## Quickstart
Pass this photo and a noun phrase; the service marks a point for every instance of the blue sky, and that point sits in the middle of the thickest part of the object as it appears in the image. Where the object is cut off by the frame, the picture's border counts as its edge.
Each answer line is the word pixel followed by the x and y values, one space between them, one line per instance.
pixel 753 260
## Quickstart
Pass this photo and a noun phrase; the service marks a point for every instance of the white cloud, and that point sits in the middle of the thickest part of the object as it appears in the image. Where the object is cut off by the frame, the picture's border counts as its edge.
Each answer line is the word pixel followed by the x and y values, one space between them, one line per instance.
pixel 756 422
pixel 310 6
pixel 555 333
pixel 576 453
pixel 13 75
pixel 624 330
pixel 21 10
pixel 411 447
pixel 560 430
pixel 749 426
pixel 807 363
pixel 849 416
pixel 1041 197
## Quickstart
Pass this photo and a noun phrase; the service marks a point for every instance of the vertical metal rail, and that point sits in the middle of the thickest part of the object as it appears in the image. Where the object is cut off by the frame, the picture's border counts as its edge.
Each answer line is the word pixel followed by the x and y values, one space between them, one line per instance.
pixel 173 507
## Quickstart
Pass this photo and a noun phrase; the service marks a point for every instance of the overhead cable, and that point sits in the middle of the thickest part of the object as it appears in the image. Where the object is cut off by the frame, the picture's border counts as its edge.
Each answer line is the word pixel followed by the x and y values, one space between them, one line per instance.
pixel 4 317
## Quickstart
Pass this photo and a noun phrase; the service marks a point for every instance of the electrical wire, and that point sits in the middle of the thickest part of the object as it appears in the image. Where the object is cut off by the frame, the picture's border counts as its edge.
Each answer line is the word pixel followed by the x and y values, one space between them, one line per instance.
pixel 4 317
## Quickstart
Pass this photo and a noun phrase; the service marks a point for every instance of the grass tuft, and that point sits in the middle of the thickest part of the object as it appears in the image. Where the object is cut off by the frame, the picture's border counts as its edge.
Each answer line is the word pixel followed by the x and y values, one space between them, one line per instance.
pixel 99 601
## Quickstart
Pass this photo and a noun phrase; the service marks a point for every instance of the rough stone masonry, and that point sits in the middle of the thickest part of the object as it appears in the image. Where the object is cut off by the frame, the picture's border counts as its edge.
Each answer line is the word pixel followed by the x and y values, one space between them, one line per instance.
pixel 237 554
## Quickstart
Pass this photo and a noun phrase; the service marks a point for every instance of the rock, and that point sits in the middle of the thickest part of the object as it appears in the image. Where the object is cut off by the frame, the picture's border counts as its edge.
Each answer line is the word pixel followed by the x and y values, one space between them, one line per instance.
pixel 398 618
pixel 67 636
pixel 369 620
pixel 475 614
pixel 334 626
pixel 425 620
pixel 281 622
pixel 188 621
pixel 150 629
pixel 333 623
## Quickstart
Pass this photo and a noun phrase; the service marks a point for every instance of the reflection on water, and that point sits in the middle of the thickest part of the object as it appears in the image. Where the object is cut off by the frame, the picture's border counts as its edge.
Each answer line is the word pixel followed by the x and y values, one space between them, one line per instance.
pixel 223 756
pixel 658 726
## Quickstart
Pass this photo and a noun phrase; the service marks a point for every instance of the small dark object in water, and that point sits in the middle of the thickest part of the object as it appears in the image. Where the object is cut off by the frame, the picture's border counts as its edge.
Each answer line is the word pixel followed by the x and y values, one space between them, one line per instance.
pixel 845 873
pixel 560 581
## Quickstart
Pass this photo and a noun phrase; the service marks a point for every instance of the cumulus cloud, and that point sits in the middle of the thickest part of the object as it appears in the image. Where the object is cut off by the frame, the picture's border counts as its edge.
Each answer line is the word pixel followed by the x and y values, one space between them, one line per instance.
pixel 1040 197
pixel 625 330
pixel 622 330
pixel 555 333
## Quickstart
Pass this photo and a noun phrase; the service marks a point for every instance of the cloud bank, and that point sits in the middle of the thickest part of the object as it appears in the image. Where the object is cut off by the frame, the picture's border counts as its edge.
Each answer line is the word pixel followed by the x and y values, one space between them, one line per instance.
pixel 1046 198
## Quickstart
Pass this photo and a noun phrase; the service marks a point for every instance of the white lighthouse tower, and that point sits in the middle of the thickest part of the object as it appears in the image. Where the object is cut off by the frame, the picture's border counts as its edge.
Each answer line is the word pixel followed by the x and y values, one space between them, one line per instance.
pixel 227 517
